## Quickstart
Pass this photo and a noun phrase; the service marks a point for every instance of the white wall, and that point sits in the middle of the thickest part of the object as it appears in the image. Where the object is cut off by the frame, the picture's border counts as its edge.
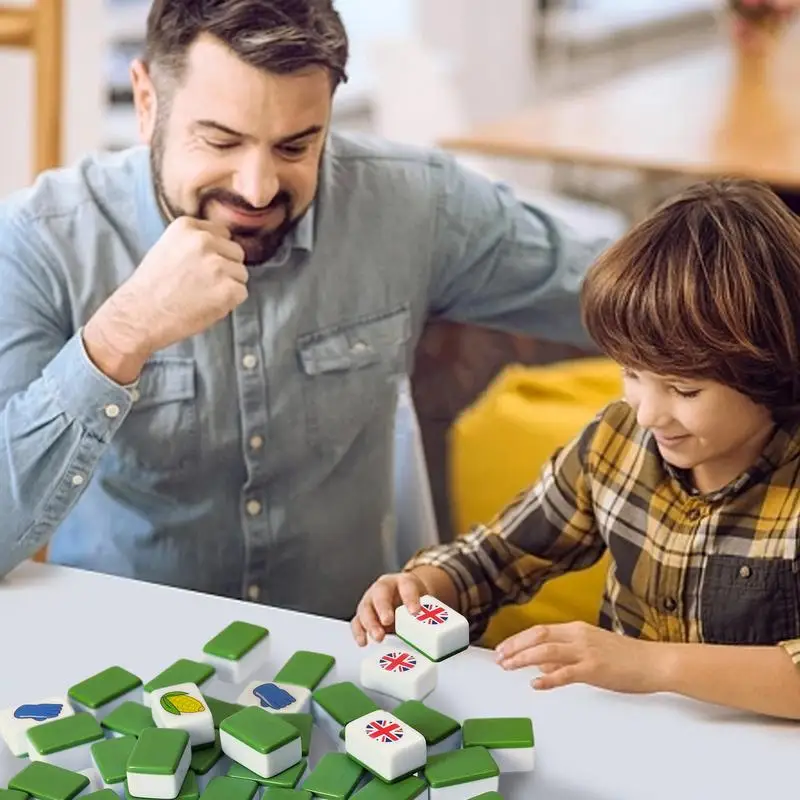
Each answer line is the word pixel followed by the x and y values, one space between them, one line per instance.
pixel 84 54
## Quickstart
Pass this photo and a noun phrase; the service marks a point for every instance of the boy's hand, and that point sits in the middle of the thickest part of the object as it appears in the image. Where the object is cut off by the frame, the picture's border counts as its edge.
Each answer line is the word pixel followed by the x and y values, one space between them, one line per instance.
pixel 576 652
pixel 375 613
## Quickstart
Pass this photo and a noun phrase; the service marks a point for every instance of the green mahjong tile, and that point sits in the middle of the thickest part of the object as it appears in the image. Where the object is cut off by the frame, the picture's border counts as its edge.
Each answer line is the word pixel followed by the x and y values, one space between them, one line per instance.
pixel 344 702
pixel 205 757
pixel 334 778
pixel 432 724
pixel 274 793
pixel 305 724
pixel 287 779
pixel 129 719
pixel 498 732
pixel 104 687
pixel 188 791
pixel 489 796
pixel 224 788
pixel 103 794
pixel 62 734
pixel 460 766
pixel 158 751
pixel 220 709
pixel 259 730
pixel 13 794
pixel 407 789
pixel 305 668
pixel 48 782
pixel 236 641
pixel 184 670
pixel 111 758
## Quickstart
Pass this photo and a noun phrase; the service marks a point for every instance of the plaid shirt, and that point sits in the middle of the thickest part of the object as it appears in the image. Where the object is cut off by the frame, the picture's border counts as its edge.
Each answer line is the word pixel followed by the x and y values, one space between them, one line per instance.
pixel 685 567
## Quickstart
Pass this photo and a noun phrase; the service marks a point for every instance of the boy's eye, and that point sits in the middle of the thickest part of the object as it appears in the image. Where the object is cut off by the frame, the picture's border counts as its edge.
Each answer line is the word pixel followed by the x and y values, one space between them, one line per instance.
pixel 686 393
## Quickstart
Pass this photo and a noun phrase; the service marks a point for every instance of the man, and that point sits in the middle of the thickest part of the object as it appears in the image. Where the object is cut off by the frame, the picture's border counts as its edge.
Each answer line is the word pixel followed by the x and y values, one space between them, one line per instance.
pixel 200 340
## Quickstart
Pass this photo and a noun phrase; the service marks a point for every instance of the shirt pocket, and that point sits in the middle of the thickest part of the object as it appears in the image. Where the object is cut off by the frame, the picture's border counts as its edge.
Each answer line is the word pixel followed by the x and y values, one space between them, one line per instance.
pixel 749 600
pixel 161 431
pixel 349 372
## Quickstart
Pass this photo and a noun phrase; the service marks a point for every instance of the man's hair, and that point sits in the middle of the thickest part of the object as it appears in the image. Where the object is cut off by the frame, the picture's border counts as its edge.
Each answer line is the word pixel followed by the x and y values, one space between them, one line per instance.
pixel 707 287
pixel 279 36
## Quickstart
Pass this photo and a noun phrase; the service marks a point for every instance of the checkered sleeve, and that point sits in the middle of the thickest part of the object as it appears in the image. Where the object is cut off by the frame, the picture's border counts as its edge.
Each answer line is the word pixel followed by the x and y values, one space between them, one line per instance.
pixel 792 647
pixel 546 531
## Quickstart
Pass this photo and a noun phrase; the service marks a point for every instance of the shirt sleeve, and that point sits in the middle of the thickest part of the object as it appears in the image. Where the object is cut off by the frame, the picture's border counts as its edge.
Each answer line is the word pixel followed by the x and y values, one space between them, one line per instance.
pixel 507 264
pixel 546 531
pixel 57 410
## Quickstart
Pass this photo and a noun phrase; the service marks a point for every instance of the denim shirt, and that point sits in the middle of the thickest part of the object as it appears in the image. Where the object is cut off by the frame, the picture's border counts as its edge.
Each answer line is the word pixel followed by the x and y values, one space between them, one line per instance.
pixel 253 460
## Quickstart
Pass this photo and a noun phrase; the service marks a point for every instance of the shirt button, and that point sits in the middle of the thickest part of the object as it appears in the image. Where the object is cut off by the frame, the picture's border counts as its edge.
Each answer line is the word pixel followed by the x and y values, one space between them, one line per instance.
pixel 694 514
pixel 256 442
pixel 745 571
pixel 249 361
pixel 77 480
pixel 359 347
pixel 253 507
pixel 135 395
pixel 112 410
pixel 670 604
pixel 253 592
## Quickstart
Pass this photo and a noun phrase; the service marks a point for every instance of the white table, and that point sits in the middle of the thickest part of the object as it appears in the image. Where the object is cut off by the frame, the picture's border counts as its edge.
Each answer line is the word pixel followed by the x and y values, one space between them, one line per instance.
pixel 57 627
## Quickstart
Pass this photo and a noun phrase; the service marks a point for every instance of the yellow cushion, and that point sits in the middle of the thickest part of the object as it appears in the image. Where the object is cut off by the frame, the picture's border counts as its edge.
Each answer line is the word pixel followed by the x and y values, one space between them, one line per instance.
pixel 498 447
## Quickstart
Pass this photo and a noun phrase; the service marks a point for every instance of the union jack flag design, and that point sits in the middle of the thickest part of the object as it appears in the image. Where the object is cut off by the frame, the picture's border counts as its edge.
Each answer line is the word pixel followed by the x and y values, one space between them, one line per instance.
pixel 382 731
pixel 432 614
pixel 397 662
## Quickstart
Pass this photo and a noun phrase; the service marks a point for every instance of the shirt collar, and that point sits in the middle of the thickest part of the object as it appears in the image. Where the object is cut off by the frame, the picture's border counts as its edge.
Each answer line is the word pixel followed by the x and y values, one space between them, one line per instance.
pixel 152 223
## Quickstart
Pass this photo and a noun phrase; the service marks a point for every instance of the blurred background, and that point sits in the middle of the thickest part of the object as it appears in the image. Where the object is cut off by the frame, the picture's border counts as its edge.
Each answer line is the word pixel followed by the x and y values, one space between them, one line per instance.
pixel 593 109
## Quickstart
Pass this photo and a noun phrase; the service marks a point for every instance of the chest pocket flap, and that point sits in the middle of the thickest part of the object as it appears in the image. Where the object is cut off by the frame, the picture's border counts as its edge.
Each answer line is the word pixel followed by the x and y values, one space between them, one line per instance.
pixel 358 344
pixel 165 380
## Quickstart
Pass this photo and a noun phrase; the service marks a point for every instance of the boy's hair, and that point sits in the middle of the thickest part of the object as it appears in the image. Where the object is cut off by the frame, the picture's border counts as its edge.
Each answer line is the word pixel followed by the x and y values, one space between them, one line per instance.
pixel 279 36
pixel 707 287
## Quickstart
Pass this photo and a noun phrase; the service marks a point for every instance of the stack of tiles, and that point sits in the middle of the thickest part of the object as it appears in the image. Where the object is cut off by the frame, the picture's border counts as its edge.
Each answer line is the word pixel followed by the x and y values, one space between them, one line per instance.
pixel 436 630
pixel 388 748
pixel 263 743
pixel 237 651
pixel 183 707
pixel 461 773
pixel 288 779
pixel 509 741
pixel 159 764
pixel 103 693
pixel 184 670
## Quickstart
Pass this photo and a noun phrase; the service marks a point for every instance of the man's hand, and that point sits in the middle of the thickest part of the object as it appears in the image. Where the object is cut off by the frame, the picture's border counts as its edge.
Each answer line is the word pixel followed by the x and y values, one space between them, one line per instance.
pixel 193 277
pixel 576 652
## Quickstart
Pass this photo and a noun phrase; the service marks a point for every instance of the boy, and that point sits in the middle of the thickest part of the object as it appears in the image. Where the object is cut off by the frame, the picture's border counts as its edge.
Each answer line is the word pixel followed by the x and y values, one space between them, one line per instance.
pixel 692 482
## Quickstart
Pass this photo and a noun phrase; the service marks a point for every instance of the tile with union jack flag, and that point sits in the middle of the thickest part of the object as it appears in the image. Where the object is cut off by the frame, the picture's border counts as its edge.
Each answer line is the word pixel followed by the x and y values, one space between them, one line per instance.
pixel 385 746
pixel 398 673
pixel 435 630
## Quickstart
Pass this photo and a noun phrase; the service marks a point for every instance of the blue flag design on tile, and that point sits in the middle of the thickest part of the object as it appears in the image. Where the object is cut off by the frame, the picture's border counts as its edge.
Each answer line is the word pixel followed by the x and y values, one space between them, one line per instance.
pixel 38 711
pixel 273 696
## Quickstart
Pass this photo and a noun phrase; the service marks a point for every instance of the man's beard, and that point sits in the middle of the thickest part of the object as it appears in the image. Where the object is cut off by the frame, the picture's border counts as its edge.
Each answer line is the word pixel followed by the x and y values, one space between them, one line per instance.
pixel 259 245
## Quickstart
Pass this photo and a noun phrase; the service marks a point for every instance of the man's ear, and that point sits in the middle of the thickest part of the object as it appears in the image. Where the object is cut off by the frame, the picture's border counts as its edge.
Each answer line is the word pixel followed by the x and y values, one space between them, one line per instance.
pixel 144 99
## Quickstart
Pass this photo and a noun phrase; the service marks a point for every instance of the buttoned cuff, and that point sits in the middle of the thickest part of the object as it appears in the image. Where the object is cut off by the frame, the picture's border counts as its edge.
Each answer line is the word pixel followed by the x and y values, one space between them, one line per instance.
pixel 84 393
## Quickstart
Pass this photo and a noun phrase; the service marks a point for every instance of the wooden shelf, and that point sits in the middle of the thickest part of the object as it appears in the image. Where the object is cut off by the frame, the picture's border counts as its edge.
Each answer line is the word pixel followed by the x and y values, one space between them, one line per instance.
pixel 17 26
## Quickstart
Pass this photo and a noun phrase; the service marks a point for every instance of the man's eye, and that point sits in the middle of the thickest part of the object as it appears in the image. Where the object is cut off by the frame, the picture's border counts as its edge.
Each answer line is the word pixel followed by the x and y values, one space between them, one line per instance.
pixel 221 145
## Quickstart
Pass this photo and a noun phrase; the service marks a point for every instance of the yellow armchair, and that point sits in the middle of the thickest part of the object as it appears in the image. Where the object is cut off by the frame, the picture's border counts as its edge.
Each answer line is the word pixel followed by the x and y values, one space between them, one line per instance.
pixel 498 447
